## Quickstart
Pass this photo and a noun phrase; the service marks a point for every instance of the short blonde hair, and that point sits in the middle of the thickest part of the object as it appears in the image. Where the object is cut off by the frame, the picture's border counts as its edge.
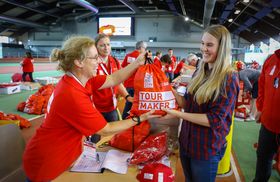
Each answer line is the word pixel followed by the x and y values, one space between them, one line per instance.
pixel 74 48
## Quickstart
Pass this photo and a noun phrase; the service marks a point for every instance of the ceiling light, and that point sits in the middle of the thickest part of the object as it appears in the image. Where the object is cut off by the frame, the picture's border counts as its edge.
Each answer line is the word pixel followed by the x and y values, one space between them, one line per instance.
pixel 246 1
pixel 187 18
pixel 230 20
pixel 237 11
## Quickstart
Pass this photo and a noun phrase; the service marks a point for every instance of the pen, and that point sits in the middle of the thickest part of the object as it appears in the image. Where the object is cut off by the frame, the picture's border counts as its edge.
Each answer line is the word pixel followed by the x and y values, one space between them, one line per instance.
pixel 97 158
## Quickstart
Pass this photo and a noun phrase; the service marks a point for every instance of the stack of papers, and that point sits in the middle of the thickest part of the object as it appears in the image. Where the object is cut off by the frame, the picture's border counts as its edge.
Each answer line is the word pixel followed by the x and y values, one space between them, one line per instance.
pixel 92 161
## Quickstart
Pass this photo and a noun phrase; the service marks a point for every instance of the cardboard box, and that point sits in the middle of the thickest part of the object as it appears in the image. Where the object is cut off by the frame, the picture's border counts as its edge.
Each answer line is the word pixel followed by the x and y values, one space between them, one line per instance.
pixel 29 86
pixel 10 89
pixel 47 80
pixel 171 126
pixel 186 78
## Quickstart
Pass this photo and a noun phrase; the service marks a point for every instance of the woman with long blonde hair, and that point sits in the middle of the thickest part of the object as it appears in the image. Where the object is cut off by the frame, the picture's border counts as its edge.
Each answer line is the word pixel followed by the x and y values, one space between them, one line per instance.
pixel 208 107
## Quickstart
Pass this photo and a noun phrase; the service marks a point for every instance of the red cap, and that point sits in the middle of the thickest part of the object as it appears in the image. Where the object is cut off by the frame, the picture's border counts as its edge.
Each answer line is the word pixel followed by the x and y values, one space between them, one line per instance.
pixel 156 172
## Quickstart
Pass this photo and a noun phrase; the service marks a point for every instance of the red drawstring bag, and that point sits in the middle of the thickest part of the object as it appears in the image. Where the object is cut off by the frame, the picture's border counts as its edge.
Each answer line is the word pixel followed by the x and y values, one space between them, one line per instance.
pixel 152 90
pixel 152 149
pixel 131 138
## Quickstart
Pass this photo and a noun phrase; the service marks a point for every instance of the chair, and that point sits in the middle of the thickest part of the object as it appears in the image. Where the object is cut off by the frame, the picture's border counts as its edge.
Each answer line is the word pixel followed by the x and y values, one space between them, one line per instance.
pixel 12 146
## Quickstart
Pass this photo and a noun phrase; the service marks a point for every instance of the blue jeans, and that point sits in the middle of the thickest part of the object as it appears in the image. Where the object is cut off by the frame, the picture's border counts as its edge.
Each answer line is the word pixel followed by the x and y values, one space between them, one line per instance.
pixel 128 105
pixel 267 147
pixel 109 117
pixel 170 76
pixel 200 170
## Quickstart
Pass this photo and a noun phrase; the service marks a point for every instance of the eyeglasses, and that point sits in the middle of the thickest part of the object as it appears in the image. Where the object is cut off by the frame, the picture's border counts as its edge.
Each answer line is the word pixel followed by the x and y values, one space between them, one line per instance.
pixel 276 82
pixel 94 58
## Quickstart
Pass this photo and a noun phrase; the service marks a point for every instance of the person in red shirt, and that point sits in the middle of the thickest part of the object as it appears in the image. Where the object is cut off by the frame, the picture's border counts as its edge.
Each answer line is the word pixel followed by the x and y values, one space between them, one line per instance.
pixel 208 108
pixel 129 83
pixel 71 114
pixel 157 59
pixel 179 67
pixel 105 100
pixel 169 71
pixel 268 104
pixel 27 67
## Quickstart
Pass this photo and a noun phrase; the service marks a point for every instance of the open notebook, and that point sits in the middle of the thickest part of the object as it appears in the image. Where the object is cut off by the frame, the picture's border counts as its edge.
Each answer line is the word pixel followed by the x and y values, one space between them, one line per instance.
pixel 92 161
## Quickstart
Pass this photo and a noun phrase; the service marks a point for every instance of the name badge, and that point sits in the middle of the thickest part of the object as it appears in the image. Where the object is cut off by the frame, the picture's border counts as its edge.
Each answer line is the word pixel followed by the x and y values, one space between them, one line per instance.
pixel 115 100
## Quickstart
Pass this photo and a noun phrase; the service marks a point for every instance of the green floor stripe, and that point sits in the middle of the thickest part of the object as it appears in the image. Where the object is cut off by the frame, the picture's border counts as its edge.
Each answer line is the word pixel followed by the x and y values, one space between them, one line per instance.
pixel 245 134
pixel 8 103
pixel 7 77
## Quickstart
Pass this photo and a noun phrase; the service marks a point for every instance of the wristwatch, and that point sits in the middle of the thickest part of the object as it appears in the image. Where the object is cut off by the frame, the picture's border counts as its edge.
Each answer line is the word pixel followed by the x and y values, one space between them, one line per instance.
pixel 127 97
pixel 136 119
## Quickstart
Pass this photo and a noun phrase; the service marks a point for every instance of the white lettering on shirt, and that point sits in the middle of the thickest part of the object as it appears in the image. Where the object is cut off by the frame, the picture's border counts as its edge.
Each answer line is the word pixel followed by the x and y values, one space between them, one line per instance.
pixel 130 59
pixel 272 70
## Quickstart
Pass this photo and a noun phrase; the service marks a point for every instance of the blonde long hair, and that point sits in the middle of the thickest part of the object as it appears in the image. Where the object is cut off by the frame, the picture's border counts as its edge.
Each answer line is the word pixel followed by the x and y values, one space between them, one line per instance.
pixel 207 85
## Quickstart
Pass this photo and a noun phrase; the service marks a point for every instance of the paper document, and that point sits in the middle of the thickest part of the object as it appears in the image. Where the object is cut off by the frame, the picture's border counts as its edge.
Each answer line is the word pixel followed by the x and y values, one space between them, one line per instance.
pixel 113 160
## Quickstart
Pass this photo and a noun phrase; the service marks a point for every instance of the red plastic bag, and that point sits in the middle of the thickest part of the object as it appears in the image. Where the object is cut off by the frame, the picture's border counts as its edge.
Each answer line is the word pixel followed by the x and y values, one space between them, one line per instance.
pixel 152 149
pixel 131 138
pixel 17 77
pixel 152 90
pixel 21 106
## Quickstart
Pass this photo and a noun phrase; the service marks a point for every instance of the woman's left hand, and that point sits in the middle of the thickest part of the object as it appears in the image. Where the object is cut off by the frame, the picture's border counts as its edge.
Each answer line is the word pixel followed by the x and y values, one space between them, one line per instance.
pixel 130 99
pixel 170 113
pixel 141 59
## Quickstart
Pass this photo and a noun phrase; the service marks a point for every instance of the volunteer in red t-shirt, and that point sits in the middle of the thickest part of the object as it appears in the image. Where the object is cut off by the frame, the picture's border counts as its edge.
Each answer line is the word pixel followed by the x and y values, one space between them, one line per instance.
pixel 157 60
pixel 169 71
pixel 179 67
pixel 129 83
pixel 105 100
pixel 27 67
pixel 71 114
pixel 268 103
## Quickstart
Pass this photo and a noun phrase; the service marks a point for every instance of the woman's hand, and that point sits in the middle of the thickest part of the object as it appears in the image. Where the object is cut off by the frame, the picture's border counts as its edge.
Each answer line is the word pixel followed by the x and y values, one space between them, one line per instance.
pixel 257 116
pixel 148 115
pixel 130 99
pixel 141 59
pixel 171 114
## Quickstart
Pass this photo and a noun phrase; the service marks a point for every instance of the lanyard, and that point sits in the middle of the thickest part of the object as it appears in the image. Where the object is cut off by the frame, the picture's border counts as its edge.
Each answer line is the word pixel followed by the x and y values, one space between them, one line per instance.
pixel 112 90
pixel 72 75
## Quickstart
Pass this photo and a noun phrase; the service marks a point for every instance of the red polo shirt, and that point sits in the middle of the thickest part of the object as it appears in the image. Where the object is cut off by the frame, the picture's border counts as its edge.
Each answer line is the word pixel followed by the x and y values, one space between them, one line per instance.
pixel 57 143
pixel 129 58
pixel 103 99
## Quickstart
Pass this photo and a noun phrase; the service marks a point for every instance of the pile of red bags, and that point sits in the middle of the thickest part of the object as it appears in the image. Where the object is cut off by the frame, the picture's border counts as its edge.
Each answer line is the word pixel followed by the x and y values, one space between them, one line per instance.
pixel 152 149
pixel 17 77
pixel 131 138
pixel 23 123
pixel 37 103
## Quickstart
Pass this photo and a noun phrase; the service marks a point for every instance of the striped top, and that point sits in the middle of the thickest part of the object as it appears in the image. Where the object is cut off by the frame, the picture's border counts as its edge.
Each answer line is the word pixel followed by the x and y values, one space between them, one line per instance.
pixel 203 142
